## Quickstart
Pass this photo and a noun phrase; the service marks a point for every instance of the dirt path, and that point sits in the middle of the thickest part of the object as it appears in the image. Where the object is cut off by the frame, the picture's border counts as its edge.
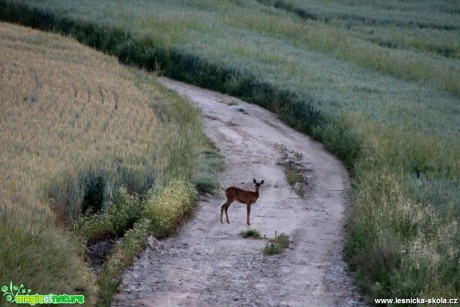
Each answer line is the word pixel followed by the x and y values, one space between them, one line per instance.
pixel 210 264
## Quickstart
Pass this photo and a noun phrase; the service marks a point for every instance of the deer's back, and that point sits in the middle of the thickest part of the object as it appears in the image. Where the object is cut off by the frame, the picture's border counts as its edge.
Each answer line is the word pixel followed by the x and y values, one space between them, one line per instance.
pixel 240 194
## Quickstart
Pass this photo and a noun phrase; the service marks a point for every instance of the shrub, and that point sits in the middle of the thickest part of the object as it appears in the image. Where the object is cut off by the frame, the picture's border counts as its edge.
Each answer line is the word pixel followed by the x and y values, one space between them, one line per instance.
pixel 272 249
pixel 277 245
pixel 111 221
pixel 251 233
pixel 168 207
pixel 93 197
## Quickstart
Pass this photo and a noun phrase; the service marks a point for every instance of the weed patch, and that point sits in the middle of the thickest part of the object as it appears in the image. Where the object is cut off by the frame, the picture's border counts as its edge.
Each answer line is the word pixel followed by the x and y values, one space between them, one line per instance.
pixel 250 233
pixel 277 245
pixel 168 207
pixel 122 258
pixel 110 222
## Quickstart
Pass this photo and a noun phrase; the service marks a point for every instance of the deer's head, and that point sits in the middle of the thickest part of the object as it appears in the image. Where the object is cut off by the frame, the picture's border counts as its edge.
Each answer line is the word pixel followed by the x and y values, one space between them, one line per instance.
pixel 258 184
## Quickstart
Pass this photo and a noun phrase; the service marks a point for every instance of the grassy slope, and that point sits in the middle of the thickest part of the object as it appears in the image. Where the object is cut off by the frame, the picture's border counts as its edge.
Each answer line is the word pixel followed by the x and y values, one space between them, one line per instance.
pixel 70 115
pixel 426 26
pixel 60 116
pixel 394 104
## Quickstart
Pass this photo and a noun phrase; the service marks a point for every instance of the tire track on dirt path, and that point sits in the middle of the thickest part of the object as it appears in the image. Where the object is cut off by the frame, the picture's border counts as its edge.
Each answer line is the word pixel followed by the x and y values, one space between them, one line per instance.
pixel 210 264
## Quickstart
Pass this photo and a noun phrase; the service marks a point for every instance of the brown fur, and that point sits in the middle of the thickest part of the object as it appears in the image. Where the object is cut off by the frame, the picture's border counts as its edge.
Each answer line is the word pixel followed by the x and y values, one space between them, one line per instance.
pixel 242 196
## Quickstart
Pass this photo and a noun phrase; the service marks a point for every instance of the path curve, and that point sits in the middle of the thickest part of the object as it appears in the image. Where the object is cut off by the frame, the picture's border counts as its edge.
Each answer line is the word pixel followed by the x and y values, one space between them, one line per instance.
pixel 210 264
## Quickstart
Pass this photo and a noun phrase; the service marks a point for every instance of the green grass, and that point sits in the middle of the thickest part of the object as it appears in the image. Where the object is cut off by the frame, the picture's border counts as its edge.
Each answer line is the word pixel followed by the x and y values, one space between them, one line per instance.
pixel 85 142
pixel 34 252
pixel 296 180
pixel 425 26
pixel 272 249
pixel 112 221
pixel 251 233
pixel 292 176
pixel 277 245
pixel 121 258
pixel 209 164
pixel 377 83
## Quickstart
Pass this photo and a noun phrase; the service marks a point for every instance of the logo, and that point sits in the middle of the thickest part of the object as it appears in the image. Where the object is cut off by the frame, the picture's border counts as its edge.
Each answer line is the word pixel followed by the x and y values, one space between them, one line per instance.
pixel 21 295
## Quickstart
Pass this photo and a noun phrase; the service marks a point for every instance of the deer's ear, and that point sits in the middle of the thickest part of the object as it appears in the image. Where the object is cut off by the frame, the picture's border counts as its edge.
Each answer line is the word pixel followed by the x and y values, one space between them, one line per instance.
pixel 254 181
pixel 262 182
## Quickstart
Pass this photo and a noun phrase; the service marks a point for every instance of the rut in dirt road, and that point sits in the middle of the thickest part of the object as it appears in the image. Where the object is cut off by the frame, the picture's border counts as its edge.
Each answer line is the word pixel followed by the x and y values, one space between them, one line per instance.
pixel 209 264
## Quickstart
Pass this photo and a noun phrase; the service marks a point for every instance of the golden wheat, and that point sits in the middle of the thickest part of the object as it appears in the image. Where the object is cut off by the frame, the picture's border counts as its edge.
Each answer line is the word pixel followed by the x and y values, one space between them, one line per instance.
pixel 64 107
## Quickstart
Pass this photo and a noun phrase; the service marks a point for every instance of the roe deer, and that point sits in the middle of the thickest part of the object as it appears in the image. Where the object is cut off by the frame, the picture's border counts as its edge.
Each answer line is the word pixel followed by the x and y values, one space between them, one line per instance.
pixel 245 197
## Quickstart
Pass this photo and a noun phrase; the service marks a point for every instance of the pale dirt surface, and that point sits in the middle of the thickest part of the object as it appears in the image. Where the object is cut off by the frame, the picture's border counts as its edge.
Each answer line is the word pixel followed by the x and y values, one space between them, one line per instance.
pixel 210 264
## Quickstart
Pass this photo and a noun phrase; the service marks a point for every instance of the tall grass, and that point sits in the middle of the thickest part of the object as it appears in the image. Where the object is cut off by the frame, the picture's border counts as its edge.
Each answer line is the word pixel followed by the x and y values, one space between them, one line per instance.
pixel 63 125
pixel 122 257
pixel 209 164
pixel 405 243
pixel 411 14
pixel 80 135
pixel 389 109
pixel 393 237
pixel 345 44
pixel 112 221
pixel 34 252
pixel 86 135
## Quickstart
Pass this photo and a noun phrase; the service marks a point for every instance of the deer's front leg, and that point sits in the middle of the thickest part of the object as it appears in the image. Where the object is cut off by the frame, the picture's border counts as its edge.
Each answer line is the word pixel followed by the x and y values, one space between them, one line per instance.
pixel 248 205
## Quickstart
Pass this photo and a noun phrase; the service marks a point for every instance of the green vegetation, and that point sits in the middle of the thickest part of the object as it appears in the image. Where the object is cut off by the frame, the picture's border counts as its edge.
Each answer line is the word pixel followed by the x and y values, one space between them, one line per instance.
pixel 277 245
pixel 85 145
pixel 272 249
pixel 121 258
pixel 34 253
pixel 251 233
pixel 377 82
pixel 111 221
pixel 292 176
pixel 169 207
pixel 282 240
pixel 296 180
pixel 209 164
pixel 426 26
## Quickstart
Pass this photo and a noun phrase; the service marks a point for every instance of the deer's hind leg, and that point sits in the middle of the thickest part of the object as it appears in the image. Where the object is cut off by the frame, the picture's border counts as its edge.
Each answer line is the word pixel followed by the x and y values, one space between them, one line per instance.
pixel 225 208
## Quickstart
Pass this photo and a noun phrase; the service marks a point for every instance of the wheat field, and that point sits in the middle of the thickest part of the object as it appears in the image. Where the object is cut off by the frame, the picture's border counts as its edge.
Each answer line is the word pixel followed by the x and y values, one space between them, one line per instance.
pixel 65 110
pixel 377 82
